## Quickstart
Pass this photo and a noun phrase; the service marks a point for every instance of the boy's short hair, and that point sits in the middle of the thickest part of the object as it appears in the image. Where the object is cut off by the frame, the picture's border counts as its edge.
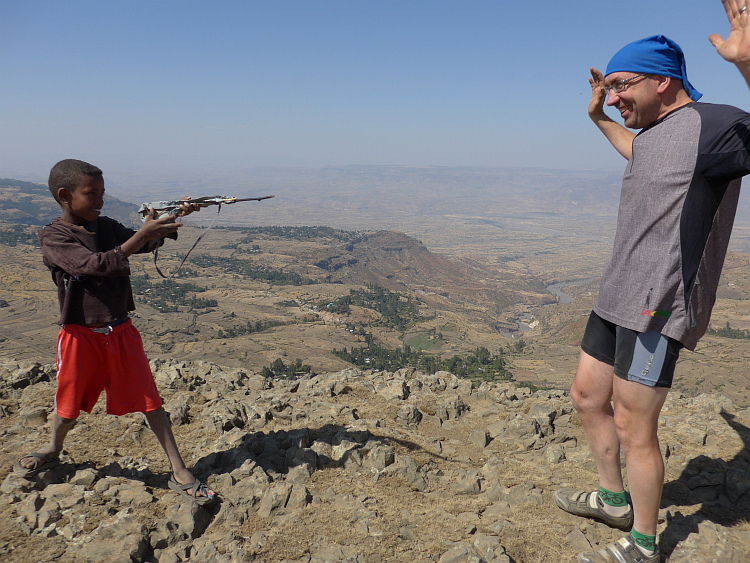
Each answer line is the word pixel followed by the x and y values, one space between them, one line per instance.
pixel 68 173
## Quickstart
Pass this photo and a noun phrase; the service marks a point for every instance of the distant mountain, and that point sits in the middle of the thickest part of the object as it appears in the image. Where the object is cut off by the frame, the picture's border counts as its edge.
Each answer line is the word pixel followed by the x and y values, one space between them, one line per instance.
pixel 32 204
pixel 402 263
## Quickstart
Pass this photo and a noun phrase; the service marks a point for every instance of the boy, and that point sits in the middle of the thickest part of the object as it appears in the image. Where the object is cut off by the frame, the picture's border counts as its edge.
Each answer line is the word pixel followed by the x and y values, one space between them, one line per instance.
pixel 98 347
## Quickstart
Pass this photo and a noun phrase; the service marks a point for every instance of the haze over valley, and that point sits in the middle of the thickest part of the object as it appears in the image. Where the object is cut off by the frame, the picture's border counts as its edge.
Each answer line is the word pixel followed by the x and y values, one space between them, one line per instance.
pixel 493 257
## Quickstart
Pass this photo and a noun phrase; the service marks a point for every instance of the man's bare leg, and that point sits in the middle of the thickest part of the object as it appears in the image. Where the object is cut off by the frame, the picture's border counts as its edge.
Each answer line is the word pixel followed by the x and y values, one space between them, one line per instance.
pixel 637 409
pixel 160 425
pixel 591 394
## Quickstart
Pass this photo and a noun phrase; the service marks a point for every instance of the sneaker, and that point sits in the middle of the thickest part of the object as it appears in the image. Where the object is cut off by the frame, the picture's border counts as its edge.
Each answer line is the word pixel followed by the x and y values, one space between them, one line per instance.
pixel 591 506
pixel 623 550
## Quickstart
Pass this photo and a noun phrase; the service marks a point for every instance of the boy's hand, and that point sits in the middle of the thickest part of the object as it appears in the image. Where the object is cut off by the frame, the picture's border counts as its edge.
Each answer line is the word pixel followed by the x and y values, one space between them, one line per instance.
pixel 153 228
pixel 158 227
pixel 187 208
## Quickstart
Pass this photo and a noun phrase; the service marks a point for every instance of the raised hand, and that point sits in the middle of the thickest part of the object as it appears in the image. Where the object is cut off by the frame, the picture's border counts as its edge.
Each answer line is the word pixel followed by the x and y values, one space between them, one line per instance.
pixel 598 93
pixel 621 138
pixel 736 47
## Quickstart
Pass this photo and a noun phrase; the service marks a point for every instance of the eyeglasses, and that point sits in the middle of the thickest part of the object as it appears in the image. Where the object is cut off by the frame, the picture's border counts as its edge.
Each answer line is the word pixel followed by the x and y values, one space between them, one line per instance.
pixel 622 85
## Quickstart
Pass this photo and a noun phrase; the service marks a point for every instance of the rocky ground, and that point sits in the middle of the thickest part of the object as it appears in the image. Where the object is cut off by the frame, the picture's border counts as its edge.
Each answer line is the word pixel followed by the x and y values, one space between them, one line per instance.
pixel 352 467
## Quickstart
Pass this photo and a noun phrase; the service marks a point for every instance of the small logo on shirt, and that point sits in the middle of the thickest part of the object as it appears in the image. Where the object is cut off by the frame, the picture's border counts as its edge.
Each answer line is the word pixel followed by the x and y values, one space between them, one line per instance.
pixel 665 314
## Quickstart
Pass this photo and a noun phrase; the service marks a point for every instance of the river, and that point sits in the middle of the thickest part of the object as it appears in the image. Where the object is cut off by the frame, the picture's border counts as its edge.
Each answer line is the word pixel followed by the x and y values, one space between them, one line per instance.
pixel 557 289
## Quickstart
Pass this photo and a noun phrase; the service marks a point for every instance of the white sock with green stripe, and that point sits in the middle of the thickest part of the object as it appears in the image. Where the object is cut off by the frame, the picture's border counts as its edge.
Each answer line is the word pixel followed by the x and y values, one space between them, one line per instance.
pixel 613 503
pixel 645 543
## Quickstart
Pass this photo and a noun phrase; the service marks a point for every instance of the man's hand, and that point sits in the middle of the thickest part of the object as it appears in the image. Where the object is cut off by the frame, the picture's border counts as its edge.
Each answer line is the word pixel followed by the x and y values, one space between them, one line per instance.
pixel 736 47
pixel 621 138
pixel 598 94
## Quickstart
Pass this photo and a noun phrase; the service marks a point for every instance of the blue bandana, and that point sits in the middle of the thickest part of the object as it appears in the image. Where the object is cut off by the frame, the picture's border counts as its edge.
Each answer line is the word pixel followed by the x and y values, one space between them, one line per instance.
pixel 657 55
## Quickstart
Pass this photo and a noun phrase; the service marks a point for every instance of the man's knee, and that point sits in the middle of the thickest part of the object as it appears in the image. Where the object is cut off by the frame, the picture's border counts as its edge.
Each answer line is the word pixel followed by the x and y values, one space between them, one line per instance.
pixel 577 397
pixel 635 431
pixel 592 388
pixel 587 397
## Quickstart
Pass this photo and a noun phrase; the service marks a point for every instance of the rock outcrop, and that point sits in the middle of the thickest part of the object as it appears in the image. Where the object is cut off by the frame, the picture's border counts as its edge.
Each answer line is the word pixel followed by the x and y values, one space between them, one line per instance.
pixel 353 467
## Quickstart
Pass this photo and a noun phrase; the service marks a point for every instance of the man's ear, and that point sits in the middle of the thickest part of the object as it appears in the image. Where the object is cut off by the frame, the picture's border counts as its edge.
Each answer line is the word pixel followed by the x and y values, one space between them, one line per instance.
pixel 663 83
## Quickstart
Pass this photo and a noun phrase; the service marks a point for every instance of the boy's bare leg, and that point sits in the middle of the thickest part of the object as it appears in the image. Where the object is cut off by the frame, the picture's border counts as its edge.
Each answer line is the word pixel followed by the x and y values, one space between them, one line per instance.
pixel 160 425
pixel 60 428
pixel 637 409
pixel 591 394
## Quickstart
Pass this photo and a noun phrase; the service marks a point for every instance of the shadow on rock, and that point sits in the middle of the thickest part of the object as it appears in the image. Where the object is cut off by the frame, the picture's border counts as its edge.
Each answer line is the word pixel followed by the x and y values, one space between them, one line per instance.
pixel 721 487
pixel 295 454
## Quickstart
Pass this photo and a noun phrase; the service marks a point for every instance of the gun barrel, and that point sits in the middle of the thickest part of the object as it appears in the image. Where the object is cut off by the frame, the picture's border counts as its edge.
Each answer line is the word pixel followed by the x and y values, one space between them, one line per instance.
pixel 235 200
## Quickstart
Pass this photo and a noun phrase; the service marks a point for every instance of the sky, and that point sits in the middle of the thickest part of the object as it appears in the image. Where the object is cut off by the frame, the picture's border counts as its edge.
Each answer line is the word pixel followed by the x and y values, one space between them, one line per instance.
pixel 199 86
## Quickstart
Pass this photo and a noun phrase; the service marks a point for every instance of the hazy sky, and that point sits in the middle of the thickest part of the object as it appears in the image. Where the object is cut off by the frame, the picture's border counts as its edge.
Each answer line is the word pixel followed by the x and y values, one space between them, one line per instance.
pixel 186 85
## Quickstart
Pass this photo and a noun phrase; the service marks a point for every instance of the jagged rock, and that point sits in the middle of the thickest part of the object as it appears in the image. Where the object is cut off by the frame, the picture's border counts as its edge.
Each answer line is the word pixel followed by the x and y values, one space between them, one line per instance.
pixel 378 457
pixel 85 477
pixel 497 428
pixel 394 390
pixel 16 485
pixel 123 537
pixel 299 497
pixel 713 544
pixel 578 541
pixel 480 437
pixel 554 453
pixel 274 499
pixel 409 470
pixel 338 553
pixel 67 495
pixel 166 534
pixel 35 416
pixel 469 485
pixel 481 551
pixel 455 407
pixel 28 511
pixel 178 410
pixel 409 414
pixel 190 519
pixel 22 374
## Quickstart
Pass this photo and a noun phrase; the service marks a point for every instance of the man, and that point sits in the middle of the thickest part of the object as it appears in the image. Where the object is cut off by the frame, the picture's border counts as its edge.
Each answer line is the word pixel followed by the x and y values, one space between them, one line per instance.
pixel 677 205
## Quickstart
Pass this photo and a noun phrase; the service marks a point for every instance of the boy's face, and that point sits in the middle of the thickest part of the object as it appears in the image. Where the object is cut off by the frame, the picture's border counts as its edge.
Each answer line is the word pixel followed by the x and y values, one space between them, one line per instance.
pixel 85 202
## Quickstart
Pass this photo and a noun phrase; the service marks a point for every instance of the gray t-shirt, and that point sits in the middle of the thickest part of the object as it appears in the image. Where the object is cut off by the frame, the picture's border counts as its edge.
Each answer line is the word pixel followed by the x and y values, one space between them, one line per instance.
pixel 677 205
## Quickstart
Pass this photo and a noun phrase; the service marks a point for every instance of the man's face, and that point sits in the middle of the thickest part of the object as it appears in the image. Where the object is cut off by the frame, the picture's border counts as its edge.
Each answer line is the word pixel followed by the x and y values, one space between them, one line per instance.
pixel 639 103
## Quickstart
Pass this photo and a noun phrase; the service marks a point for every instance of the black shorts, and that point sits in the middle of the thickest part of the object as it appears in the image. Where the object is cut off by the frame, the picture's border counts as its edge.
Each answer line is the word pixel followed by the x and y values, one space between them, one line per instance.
pixel 643 357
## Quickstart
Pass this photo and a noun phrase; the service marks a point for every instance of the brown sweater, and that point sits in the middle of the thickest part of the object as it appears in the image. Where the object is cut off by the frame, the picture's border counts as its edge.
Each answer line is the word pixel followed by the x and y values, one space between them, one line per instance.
pixel 91 272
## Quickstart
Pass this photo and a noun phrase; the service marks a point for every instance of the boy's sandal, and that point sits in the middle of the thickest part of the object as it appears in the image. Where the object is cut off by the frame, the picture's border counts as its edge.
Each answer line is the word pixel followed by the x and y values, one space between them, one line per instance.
pixel 191 490
pixel 623 550
pixel 589 505
pixel 41 461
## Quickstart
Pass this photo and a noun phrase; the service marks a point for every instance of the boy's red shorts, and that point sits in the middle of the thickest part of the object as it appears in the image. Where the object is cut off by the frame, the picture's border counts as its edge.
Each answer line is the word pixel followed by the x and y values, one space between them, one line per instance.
pixel 90 360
